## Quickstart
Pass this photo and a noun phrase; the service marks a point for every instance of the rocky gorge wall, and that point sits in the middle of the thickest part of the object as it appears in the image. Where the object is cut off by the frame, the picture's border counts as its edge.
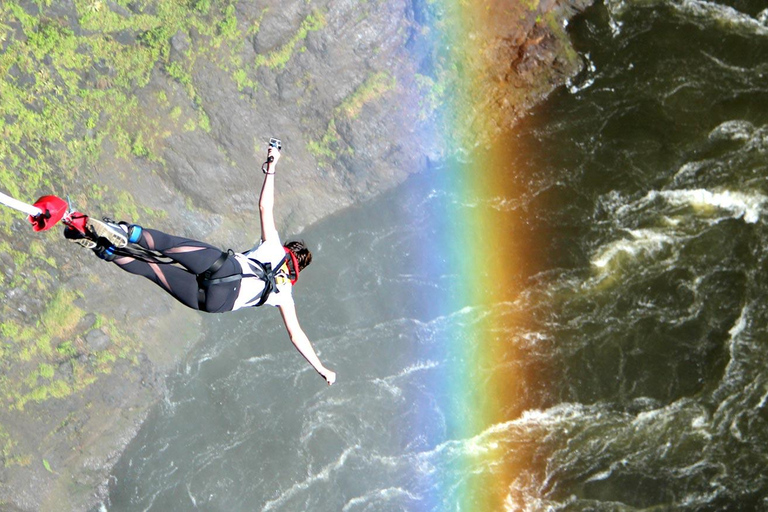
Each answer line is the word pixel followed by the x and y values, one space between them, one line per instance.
pixel 158 112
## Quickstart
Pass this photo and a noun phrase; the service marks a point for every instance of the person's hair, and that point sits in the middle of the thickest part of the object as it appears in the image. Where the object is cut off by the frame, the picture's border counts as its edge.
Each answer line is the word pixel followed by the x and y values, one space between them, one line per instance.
pixel 299 248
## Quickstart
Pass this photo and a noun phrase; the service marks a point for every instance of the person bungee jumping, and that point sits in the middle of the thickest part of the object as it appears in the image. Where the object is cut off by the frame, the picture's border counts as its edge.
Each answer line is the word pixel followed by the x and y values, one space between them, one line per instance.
pixel 204 277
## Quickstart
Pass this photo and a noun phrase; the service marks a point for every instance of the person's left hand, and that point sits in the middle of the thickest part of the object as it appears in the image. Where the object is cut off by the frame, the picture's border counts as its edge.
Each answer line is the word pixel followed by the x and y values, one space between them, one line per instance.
pixel 329 376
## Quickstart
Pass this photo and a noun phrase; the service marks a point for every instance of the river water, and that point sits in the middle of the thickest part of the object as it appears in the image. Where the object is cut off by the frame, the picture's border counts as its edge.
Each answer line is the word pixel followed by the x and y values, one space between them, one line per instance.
pixel 643 182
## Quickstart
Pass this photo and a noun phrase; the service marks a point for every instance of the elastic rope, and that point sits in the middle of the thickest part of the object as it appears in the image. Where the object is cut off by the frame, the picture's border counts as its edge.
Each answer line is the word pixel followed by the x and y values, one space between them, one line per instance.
pixel 19 205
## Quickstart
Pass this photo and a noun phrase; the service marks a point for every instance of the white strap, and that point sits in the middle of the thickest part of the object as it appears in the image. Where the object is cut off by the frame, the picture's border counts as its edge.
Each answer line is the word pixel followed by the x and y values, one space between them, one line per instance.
pixel 18 205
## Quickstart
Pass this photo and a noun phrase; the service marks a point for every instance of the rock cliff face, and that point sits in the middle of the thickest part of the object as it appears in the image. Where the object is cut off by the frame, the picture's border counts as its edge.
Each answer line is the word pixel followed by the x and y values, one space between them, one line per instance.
pixel 158 112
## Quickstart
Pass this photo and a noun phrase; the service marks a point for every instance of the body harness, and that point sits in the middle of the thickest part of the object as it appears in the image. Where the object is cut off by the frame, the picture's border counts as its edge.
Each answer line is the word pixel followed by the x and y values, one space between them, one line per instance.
pixel 288 266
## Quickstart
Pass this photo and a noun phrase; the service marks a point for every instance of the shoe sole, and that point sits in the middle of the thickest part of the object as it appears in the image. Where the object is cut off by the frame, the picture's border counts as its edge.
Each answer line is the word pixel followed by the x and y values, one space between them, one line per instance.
pixel 88 244
pixel 75 236
pixel 102 230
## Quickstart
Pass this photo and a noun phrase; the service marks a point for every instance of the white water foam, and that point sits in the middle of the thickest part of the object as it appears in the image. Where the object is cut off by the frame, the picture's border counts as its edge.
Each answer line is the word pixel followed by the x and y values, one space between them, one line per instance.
pixel 192 498
pixel 377 498
pixel 323 475
pixel 389 383
pixel 487 440
pixel 260 359
pixel 706 205
pixel 747 206
pixel 755 139
pixel 733 130
pixel 702 12
pixel 642 241
pixel 735 334
pixel 721 16
pixel 574 88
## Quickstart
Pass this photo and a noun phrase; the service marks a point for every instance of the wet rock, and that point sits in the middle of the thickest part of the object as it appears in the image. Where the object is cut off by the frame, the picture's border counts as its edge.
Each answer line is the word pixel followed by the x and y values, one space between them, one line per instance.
pixel 97 340
pixel 14 293
pixel 87 322
pixel 53 272
pixel 9 266
pixel 316 43
pixel 117 8
pixel 277 24
pixel 63 9
pixel 125 37
pixel 64 371
pixel 22 79
pixel 180 42
pixel 199 170
pixel 79 302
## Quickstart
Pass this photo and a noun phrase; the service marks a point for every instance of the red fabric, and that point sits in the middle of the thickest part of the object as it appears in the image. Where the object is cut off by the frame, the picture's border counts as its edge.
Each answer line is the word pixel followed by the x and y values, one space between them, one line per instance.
pixel 76 221
pixel 53 209
pixel 294 262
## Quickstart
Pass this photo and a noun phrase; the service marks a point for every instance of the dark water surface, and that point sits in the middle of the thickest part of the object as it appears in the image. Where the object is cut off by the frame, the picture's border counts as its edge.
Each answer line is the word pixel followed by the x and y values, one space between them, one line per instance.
pixel 645 179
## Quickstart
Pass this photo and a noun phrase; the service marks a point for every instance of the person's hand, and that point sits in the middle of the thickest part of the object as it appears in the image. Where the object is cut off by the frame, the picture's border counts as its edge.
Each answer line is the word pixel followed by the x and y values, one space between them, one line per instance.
pixel 274 153
pixel 329 376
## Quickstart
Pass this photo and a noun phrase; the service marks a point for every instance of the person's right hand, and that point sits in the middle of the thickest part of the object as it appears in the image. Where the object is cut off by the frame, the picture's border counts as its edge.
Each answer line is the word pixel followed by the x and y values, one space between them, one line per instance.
pixel 274 153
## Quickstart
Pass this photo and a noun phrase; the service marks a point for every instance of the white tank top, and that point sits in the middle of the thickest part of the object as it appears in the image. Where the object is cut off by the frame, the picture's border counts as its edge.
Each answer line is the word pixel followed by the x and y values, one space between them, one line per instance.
pixel 271 252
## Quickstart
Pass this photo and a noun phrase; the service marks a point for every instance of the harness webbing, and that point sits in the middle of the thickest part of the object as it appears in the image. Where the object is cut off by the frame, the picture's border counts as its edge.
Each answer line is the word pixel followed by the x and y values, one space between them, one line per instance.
pixel 262 271
pixel 265 272
pixel 204 280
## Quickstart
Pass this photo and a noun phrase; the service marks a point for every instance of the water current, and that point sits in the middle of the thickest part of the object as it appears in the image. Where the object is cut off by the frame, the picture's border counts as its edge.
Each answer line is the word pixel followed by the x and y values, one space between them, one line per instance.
pixel 643 182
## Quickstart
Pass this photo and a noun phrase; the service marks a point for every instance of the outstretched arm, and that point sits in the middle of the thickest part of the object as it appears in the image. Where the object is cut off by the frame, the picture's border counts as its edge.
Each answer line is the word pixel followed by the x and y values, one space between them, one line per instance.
pixel 267 198
pixel 302 343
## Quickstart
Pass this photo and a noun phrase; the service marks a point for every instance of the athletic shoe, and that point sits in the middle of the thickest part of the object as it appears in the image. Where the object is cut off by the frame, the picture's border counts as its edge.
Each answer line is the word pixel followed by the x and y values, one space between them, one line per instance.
pixel 73 235
pixel 109 231
pixel 132 231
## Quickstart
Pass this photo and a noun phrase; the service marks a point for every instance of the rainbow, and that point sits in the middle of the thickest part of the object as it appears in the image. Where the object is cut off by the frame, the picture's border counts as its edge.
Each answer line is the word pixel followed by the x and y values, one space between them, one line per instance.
pixel 484 248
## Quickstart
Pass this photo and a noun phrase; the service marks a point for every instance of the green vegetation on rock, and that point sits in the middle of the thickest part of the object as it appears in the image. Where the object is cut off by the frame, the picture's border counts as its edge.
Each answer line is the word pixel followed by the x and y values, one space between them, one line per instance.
pixel 323 149
pixel 374 87
pixel 41 351
pixel 279 58
pixel 10 453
